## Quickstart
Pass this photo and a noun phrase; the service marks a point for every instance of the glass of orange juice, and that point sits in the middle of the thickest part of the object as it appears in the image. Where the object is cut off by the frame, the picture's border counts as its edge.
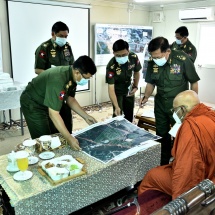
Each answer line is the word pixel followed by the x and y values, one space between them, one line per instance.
pixel 22 163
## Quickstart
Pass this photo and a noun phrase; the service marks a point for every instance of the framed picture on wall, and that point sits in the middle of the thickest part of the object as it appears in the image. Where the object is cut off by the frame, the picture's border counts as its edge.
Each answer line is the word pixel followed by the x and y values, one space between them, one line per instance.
pixel 106 34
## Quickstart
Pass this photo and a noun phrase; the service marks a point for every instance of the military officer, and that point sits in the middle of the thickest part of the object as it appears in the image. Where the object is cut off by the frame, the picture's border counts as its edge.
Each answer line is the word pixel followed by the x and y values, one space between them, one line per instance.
pixel 171 71
pixel 44 96
pixel 56 52
pixel 120 71
pixel 182 43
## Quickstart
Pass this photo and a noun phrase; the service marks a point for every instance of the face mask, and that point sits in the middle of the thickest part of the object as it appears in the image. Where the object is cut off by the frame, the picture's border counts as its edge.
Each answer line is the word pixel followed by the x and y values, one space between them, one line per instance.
pixel 161 61
pixel 121 60
pixel 82 82
pixel 173 131
pixel 60 41
pixel 176 118
pixel 178 42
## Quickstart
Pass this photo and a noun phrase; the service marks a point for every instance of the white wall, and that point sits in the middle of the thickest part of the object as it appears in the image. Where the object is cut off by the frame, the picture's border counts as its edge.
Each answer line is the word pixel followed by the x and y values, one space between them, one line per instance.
pixel 104 13
pixel 112 13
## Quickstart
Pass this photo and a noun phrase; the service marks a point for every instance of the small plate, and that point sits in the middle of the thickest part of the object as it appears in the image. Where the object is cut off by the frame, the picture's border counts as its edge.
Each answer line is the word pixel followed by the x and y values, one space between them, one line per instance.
pixel 20 177
pixel 46 155
pixel 9 169
pixel 32 160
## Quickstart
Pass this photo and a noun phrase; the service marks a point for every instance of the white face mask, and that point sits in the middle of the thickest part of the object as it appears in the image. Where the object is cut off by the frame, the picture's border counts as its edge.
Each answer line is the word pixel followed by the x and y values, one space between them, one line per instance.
pixel 176 118
pixel 173 131
pixel 60 41
pixel 121 60
pixel 178 42
pixel 161 61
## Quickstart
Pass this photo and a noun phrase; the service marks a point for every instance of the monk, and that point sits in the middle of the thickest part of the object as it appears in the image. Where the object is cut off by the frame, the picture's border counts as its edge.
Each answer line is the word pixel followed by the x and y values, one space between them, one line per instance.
pixel 193 150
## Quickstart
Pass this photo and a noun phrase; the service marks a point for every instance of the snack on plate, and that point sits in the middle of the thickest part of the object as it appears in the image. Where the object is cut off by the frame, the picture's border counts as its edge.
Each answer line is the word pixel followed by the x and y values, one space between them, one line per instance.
pixel 67 160
pixel 73 167
pixel 60 165
pixel 49 165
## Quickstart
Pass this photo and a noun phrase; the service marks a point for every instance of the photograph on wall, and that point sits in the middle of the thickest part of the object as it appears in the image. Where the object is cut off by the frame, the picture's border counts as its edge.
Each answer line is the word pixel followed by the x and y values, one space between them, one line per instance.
pixel 106 140
pixel 106 34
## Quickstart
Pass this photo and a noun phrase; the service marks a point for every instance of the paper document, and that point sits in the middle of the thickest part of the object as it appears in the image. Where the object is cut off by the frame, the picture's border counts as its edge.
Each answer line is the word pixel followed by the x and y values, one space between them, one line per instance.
pixel 148 113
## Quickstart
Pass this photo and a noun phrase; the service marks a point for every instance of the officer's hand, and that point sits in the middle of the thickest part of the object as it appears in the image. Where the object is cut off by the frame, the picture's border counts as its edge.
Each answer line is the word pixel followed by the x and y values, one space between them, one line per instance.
pixel 132 92
pixel 143 101
pixel 73 142
pixel 90 120
pixel 117 111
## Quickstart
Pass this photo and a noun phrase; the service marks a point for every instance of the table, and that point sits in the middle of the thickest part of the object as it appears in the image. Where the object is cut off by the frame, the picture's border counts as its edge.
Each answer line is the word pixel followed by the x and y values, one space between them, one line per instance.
pixel 37 196
pixel 146 122
pixel 11 100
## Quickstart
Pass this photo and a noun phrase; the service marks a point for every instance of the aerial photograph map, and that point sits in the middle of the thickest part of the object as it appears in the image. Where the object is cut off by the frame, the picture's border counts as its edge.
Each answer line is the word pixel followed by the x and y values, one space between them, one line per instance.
pixel 107 140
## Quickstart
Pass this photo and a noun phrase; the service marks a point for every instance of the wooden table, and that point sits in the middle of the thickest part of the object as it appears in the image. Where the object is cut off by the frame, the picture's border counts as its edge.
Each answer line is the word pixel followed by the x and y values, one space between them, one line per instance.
pixel 146 122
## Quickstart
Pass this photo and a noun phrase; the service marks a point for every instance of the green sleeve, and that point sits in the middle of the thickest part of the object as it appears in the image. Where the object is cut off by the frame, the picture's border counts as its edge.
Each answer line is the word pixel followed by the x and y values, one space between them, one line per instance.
pixel 41 58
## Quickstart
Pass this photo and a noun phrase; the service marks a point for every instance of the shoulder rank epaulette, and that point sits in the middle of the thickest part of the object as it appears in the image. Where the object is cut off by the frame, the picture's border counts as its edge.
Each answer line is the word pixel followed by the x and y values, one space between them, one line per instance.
pixel 134 55
pixel 45 44
pixel 181 57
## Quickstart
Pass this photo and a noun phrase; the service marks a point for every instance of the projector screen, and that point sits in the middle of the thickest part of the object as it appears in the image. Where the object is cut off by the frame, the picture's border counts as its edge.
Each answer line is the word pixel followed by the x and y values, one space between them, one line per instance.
pixel 30 25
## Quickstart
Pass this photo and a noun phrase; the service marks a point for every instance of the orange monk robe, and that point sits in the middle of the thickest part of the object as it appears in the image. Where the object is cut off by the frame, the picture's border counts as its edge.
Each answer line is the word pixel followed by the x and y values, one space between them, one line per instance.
pixel 194 153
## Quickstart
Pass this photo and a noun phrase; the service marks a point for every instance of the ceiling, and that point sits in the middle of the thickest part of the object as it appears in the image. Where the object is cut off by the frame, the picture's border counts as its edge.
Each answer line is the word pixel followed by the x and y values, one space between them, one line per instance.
pixel 149 3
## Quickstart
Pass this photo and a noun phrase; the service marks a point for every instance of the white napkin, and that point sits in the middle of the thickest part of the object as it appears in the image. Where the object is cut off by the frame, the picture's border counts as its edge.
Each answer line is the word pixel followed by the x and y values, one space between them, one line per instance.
pixel 55 142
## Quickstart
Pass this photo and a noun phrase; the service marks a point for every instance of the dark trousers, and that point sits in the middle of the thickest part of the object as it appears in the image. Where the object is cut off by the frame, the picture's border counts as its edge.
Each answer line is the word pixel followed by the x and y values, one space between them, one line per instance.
pixel 126 104
pixel 37 117
pixel 164 121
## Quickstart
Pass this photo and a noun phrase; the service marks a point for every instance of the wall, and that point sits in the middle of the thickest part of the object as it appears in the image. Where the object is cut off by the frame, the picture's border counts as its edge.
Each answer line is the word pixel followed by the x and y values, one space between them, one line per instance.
pixel 107 13
pixel 113 13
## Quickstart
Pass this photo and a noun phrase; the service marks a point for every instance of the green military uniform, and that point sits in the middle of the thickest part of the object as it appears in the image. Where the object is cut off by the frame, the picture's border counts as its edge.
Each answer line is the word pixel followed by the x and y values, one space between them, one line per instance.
pixel 188 48
pixel 50 89
pixel 170 79
pixel 48 55
pixel 120 76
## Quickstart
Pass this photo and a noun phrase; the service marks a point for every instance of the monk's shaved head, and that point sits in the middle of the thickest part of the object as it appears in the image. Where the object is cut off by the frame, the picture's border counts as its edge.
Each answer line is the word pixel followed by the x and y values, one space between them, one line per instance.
pixel 187 98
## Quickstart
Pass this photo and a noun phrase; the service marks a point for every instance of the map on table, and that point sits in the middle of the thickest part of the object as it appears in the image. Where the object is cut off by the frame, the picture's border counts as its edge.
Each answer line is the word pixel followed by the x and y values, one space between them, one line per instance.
pixel 107 140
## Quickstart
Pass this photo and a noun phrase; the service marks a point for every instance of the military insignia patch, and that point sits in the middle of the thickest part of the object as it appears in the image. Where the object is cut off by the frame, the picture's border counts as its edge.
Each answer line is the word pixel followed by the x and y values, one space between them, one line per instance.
pixel 42 54
pixel 131 66
pixel 66 52
pixel 175 69
pixel 53 53
pixel 110 74
pixel 155 69
pixel 61 95
pixel 118 71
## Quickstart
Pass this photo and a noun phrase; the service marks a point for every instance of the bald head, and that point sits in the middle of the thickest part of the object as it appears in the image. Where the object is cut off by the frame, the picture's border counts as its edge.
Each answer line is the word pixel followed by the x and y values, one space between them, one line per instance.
pixel 187 98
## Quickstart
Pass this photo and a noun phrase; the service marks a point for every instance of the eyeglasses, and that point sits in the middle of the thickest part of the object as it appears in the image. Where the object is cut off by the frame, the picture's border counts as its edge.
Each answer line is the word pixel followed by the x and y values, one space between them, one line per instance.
pixel 181 108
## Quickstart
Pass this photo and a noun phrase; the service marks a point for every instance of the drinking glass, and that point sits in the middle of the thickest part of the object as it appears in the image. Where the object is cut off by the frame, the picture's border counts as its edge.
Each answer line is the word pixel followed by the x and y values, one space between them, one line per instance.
pixel 30 147
pixel 22 163
pixel 46 141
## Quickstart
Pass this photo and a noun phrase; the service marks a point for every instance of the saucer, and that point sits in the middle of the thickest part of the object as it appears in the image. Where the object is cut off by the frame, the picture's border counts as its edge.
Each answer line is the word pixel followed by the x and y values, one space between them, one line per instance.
pixel 9 169
pixel 20 177
pixel 46 155
pixel 32 160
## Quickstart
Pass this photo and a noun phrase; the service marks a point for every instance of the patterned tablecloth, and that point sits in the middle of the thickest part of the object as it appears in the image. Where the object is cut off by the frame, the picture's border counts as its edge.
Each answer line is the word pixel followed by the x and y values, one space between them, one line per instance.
pixel 38 196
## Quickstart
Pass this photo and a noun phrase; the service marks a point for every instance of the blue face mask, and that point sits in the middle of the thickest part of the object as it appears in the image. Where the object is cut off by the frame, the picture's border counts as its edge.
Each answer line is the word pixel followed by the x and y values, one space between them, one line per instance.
pixel 178 41
pixel 121 60
pixel 161 61
pixel 60 41
pixel 82 82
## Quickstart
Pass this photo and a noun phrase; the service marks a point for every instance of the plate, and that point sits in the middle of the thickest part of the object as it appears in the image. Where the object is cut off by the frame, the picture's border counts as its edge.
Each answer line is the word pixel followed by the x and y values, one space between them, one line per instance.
pixel 20 177
pixel 46 155
pixel 15 169
pixel 32 160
